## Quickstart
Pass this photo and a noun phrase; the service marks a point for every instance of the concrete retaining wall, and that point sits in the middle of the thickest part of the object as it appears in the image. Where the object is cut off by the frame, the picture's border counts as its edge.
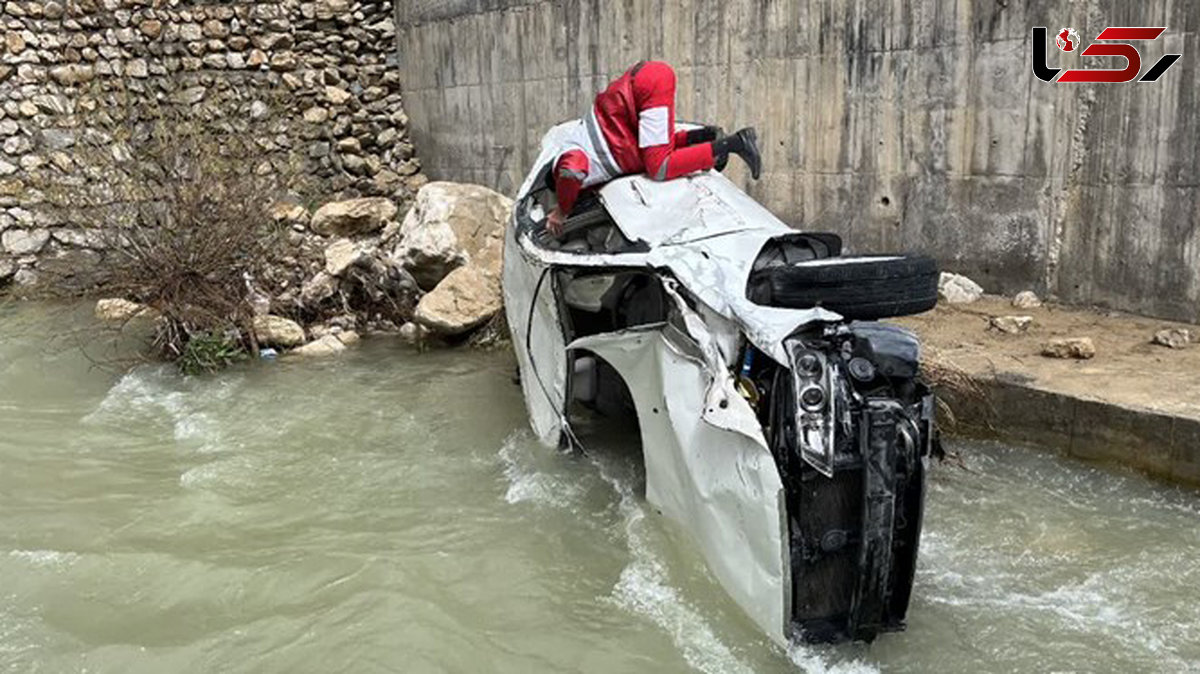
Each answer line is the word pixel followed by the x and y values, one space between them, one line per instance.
pixel 1161 445
pixel 901 124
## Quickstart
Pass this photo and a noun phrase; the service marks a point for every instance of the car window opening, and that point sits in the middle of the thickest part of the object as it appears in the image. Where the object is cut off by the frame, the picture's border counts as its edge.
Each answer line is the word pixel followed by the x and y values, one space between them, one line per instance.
pixel 590 229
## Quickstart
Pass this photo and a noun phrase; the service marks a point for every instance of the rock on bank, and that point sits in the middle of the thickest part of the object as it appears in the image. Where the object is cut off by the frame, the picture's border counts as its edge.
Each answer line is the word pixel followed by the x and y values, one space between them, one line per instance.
pixel 442 262
pixel 452 242
pixel 352 267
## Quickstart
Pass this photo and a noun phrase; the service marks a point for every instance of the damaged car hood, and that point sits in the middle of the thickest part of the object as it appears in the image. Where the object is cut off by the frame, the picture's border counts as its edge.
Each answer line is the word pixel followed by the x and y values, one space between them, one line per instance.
pixel 702 228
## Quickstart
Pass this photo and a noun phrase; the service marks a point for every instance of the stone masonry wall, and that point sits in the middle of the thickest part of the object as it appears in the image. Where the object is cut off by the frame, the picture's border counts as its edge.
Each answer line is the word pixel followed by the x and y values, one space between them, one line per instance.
pixel 312 78
pixel 901 124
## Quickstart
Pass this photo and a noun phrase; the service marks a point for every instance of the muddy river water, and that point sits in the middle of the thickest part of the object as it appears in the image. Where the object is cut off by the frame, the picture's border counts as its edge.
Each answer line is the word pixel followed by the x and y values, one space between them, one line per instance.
pixel 388 511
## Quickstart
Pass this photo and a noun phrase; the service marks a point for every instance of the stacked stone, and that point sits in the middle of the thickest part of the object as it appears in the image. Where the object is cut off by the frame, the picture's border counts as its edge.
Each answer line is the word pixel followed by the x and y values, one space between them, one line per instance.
pixel 309 80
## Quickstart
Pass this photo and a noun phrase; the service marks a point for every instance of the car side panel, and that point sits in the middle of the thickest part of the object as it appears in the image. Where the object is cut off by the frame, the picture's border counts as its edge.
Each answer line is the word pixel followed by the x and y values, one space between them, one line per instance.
pixel 720 484
pixel 533 317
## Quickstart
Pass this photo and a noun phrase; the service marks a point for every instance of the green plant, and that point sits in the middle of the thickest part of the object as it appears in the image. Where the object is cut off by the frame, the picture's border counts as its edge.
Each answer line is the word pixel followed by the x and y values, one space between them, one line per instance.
pixel 206 353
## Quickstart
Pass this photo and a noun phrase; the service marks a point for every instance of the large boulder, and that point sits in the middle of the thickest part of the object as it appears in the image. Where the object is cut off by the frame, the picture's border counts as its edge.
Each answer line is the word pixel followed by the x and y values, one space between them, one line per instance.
pixel 467 298
pixel 451 225
pixel 353 217
pixel 278 331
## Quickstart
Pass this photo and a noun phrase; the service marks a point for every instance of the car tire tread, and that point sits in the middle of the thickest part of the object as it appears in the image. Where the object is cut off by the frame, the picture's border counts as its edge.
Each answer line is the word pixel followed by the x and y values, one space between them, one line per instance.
pixel 860 288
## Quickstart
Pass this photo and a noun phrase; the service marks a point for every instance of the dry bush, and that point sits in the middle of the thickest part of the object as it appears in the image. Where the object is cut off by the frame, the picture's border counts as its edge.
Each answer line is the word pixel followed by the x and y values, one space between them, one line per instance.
pixel 181 203
pixel 956 388
pixel 493 334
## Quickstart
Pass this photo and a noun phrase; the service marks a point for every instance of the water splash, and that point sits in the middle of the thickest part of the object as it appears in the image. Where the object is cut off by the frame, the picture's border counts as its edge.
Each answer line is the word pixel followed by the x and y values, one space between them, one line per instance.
pixel 151 396
pixel 238 473
pixel 45 558
pixel 644 587
pixel 529 484
pixel 812 662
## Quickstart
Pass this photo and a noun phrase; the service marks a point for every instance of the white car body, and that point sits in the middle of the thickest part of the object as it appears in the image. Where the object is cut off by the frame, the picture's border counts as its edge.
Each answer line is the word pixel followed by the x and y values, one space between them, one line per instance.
pixel 708 465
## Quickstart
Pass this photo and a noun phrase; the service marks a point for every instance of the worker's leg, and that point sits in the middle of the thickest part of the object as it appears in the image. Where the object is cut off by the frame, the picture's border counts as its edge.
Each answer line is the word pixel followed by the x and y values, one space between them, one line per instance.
pixel 744 144
pixel 668 163
pixel 705 134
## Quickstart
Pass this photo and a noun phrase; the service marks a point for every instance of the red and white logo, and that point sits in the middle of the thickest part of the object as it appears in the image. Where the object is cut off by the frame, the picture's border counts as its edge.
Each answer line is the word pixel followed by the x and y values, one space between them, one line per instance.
pixel 1112 41
pixel 1067 40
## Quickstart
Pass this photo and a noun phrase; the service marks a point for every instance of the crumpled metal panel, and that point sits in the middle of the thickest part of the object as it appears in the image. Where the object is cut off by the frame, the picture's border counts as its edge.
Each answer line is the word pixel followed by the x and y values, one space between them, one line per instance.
pixel 537 339
pixel 720 484
pixel 696 207
pixel 701 227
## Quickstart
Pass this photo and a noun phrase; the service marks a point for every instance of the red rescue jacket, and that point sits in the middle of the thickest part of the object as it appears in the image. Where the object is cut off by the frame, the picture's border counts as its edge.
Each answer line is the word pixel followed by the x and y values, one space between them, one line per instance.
pixel 630 129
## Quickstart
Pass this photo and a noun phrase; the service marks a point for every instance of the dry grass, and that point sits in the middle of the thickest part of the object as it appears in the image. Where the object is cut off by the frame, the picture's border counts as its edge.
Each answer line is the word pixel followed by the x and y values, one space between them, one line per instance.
pixel 955 388
pixel 492 335
pixel 944 376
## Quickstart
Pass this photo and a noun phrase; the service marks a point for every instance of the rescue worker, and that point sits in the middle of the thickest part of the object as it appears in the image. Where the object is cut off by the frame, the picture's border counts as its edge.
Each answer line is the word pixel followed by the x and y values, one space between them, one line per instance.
pixel 631 129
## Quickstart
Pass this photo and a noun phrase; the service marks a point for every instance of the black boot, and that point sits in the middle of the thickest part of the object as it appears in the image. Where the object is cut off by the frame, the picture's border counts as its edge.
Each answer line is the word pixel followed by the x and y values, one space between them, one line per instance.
pixel 744 144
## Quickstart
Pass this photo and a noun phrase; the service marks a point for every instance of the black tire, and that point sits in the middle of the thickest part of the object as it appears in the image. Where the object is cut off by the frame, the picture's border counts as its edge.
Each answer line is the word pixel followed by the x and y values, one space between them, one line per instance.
pixel 862 288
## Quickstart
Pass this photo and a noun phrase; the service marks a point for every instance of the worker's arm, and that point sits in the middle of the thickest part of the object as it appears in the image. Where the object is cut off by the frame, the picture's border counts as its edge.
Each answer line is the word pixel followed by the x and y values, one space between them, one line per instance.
pixel 569 173
pixel 662 156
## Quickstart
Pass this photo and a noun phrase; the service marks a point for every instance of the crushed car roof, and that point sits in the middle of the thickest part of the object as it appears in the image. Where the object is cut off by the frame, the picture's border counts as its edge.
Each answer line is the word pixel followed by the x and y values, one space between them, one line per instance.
pixel 704 229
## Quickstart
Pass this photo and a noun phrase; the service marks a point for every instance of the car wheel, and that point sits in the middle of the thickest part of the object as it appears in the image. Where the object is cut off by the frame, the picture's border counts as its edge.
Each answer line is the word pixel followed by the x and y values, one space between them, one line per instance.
pixel 859 288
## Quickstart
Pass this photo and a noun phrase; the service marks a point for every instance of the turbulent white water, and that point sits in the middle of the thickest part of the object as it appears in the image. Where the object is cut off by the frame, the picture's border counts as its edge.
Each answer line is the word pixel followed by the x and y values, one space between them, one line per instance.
pixel 389 511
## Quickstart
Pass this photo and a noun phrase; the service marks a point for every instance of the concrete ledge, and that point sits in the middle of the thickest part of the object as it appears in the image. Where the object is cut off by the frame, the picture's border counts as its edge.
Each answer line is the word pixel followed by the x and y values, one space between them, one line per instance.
pixel 1135 404
pixel 1160 445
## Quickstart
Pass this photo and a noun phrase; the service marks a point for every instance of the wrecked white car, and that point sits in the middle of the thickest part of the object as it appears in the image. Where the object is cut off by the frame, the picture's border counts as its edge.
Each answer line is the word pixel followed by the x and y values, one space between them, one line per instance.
pixel 786 433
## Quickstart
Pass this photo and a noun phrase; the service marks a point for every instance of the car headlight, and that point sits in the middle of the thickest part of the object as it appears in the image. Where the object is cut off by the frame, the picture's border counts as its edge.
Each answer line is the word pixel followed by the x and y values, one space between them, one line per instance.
pixel 814 379
pixel 813 399
pixel 808 364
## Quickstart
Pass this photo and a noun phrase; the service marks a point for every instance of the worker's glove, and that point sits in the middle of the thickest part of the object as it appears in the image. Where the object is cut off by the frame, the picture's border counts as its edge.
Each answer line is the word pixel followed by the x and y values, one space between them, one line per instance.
pixel 706 134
